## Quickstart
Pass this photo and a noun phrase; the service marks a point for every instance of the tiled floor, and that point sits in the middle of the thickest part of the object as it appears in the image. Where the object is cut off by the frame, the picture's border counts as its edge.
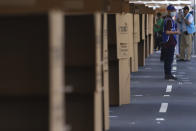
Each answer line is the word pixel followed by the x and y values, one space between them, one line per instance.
pixel 157 104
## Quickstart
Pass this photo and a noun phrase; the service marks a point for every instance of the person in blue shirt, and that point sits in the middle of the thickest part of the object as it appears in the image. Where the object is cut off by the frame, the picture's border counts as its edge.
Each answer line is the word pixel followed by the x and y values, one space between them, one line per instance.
pixel 188 28
pixel 169 41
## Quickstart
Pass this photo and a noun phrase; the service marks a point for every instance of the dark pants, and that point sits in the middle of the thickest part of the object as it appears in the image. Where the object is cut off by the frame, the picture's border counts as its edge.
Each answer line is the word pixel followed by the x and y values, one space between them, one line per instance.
pixel 162 53
pixel 168 56
pixel 158 40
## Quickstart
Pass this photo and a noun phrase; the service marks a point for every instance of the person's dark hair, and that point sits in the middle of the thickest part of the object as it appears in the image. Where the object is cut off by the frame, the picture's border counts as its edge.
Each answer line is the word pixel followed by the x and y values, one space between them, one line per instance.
pixel 186 8
pixel 158 14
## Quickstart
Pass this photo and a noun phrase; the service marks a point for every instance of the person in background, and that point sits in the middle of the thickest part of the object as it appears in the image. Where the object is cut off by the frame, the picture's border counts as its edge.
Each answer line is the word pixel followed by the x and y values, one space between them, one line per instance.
pixel 158 30
pixel 169 41
pixel 162 48
pixel 179 27
pixel 188 28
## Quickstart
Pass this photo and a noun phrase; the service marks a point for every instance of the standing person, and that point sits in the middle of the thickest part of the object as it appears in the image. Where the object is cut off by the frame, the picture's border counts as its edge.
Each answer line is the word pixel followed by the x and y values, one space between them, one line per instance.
pixel 188 28
pixel 158 30
pixel 179 27
pixel 162 47
pixel 169 40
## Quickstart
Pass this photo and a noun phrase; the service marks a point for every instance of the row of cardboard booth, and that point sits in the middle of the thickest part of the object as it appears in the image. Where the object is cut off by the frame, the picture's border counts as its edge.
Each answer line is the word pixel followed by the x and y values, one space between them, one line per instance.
pixel 64 62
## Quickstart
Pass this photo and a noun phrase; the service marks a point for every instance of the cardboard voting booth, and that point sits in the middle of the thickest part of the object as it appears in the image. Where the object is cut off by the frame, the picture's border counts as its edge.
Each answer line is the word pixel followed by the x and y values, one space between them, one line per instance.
pixel 119 58
pixel 50 76
pixel 32 77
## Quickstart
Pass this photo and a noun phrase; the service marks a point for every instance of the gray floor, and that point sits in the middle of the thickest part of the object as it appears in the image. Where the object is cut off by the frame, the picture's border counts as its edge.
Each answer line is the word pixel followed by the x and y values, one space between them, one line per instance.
pixel 148 88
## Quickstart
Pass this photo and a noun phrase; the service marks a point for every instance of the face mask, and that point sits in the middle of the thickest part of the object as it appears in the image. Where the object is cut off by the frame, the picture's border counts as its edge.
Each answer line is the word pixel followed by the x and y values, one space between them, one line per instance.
pixel 173 14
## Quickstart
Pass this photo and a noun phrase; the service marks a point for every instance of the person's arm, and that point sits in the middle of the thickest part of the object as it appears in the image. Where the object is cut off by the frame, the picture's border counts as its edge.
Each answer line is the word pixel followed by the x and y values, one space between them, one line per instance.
pixel 172 32
pixel 168 29
pixel 188 20
pixel 157 25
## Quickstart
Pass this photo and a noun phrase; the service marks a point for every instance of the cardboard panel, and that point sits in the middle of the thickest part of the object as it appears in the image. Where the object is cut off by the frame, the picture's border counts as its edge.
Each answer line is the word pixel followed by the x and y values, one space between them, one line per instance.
pixel 131 47
pixel 150 21
pixel 135 58
pixel 140 9
pixel 141 45
pixel 136 40
pixel 84 72
pixel 143 26
pixel 43 6
pixel 106 72
pixel 80 112
pixel 124 76
pixel 98 110
pixel 123 43
pixel 24 6
pixel 57 108
pixel 151 32
pixel 113 61
pixel 141 53
pixel 117 67
pixel 126 7
pixel 24 67
pixel 114 6
pixel 147 36
pixel 136 30
pixel 123 30
pixel 83 112
pixel 80 39
pixel 83 6
pixel 24 56
pixel 32 110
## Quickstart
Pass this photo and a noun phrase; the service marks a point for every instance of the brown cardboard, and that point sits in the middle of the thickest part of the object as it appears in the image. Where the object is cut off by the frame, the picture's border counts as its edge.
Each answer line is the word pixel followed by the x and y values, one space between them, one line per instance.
pixel 84 72
pixel 143 34
pixel 141 54
pixel 57 100
pixel 106 73
pixel 136 40
pixel 143 26
pixel 78 66
pixel 151 32
pixel 126 7
pixel 123 43
pixel 140 8
pixel 84 6
pixel 24 6
pixel 98 112
pixel 132 7
pixel 80 108
pixel 43 6
pixel 131 50
pixel 141 46
pixel 117 65
pixel 147 36
pixel 113 61
pixel 123 46
pixel 114 6
pixel 124 83
pixel 25 72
